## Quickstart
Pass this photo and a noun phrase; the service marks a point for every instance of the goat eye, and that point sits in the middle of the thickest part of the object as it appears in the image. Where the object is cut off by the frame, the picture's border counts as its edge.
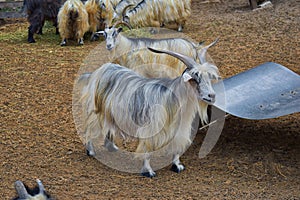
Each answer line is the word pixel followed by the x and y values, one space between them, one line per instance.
pixel 114 34
pixel 213 77
pixel 199 77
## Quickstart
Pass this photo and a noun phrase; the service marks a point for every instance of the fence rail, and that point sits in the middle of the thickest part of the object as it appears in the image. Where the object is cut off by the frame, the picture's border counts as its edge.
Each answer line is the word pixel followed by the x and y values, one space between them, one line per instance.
pixel 11 9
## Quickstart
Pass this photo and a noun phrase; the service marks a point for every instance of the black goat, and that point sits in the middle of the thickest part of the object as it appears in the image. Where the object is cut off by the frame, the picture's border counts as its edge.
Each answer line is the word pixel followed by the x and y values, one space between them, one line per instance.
pixel 38 12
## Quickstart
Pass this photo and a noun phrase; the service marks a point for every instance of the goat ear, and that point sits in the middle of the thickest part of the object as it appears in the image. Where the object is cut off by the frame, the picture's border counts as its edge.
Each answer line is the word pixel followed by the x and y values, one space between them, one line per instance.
pixel 21 190
pixel 186 77
pixel 41 186
pixel 100 33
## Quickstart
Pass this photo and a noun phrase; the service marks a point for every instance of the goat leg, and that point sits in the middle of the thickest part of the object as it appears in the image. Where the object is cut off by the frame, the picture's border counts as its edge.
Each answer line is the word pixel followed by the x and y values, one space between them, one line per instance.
pixel 177 166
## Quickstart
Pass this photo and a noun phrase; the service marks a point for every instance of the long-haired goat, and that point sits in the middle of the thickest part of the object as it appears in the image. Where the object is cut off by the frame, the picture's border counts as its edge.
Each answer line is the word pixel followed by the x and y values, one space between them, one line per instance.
pixel 133 53
pixel 100 14
pixel 159 112
pixel 107 12
pixel 157 13
pixel 38 12
pixel 94 12
pixel 72 21
pixel 25 193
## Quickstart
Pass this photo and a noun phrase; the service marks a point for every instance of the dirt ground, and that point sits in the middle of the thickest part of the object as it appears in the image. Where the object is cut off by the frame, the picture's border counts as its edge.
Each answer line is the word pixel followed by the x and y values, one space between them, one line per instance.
pixel 252 159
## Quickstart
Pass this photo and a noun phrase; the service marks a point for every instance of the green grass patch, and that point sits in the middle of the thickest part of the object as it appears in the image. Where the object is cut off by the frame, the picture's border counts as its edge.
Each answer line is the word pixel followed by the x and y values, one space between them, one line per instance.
pixel 20 34
pixel 15 36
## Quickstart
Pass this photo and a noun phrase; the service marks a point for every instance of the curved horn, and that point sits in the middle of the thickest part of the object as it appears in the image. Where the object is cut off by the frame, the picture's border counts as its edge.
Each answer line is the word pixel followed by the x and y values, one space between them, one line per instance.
pixel 21 190
pixel 41 186
pixel 125 9
pixel 113 5
pixel 122 22
pixel 189 62
pixel 202 52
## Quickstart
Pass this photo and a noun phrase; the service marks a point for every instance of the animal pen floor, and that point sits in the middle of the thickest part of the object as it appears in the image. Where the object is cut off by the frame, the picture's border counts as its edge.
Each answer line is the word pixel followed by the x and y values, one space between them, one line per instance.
pixel 252 159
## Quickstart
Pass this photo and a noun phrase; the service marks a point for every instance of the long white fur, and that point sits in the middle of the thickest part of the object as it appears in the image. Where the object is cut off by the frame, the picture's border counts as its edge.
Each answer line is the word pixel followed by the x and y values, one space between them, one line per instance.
pixel 166 107
pixel 121 5
pixel 159 12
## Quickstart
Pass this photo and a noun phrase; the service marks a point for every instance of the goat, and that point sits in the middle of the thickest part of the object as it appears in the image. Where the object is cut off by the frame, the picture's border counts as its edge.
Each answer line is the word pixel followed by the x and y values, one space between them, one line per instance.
pixel 93 9
pixel 118 100
pixel 72 21
pixel 121 6
pixel 157 13
pixel 107 12
pixel 132 53
pixel 25 193
pixel 100 15
pixel 38 12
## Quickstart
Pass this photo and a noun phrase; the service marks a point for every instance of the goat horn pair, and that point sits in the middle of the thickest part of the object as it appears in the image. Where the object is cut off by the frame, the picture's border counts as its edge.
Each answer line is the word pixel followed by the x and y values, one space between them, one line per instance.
pixel 189 62
pixel 122 22
pixel 21 189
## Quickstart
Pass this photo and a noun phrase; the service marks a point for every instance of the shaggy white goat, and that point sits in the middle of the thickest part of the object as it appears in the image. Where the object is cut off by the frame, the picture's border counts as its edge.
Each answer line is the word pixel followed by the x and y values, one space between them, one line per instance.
pixel 133 53
pixel 159 112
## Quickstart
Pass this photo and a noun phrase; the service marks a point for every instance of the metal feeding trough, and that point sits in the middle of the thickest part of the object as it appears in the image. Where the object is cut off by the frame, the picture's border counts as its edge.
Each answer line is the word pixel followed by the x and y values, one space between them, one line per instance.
pixel 267 91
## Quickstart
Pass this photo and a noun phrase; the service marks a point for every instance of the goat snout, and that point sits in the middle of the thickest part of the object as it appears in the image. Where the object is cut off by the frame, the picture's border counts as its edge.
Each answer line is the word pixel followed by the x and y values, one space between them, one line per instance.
pixel 108 46
pixel 209 98
pixel 212 96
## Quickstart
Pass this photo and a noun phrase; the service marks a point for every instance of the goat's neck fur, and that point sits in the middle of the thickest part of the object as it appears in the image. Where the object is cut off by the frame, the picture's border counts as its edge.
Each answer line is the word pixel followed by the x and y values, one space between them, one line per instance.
pixel 123 46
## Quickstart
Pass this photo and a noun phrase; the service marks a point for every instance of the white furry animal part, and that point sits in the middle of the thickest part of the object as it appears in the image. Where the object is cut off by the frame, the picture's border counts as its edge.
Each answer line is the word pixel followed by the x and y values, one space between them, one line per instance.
pixel 72 21
pixel 25 193
pixel 133 53
pixel 155 13
pixel 159 112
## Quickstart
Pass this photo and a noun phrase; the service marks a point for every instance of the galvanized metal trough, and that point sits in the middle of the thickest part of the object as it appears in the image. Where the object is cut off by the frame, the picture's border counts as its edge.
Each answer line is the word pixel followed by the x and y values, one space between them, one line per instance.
pixel 267 91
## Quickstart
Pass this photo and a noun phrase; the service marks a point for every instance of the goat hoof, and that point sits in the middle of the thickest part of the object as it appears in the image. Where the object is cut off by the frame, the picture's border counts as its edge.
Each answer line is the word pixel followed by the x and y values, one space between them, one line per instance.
pixel 177 168
pixel 148 174
pixel 90 149
pixel 80 42
pixel 180 28
pixel 110 146
pixel 63 43
pixel 31 41
pixel 89 153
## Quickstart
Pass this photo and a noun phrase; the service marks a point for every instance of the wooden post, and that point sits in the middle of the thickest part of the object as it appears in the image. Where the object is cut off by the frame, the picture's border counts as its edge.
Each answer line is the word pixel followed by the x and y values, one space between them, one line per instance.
pixel 253 4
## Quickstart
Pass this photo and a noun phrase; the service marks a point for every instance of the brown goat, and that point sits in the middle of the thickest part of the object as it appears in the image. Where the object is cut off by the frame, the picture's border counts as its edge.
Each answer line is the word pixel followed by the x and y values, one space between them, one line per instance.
pixel 72 21
pixel 94 10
